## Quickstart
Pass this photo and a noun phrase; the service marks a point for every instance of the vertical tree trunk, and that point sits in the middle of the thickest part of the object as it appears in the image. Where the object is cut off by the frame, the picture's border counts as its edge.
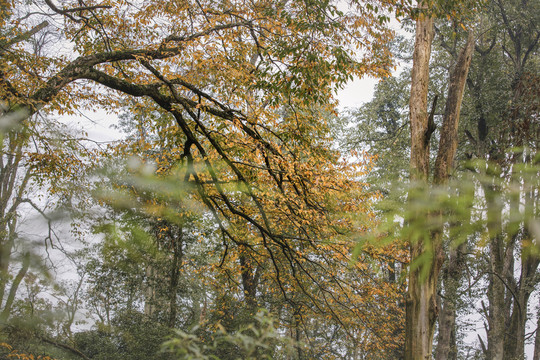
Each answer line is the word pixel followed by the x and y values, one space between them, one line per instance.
pixel 297 332
pixel 514 347
pixel 421 297
pixel 11 154
pixel 496 287
pixel 177 242
pixel 420 133
pixel 6 246
pixel 448 134
pixel 444 163
pixel 420 306
pixel 150 291
pixel 446 341
pixel 250 281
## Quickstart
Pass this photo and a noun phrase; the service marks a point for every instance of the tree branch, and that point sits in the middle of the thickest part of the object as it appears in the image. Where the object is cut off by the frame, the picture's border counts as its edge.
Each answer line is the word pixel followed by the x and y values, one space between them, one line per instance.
pixel 67 12
pixel 23 37
pixel 14 286
pixel 63 346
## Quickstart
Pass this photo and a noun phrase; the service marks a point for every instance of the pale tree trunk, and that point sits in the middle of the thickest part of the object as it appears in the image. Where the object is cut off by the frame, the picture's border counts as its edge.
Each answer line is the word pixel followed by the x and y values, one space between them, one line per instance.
pixel 449 130
pixel 496 289
pixel 422 310
pixel 150 291
pixel 508 299
pixel 446 347
pixel 420 303
pixel 420 132
pixel 446 341
pixel 514 347
pixel 176 263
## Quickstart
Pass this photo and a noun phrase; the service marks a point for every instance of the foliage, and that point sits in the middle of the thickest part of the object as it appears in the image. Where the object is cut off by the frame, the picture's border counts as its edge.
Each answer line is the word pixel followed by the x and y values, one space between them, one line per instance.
pixel 10 353
pixel 455 200
pixel 130 335
pixel 372 298
pixel 258 340
pixel 381 127
pixel 229 192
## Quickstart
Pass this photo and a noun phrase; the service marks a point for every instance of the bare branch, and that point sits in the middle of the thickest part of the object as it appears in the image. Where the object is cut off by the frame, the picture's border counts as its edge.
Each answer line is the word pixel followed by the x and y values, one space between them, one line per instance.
pixel 67 12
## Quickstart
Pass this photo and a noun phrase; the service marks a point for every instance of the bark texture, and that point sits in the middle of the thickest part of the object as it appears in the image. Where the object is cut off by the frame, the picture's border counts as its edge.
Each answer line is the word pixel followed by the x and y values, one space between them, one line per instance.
pixel 250 282
pixel 449 135
pixel 446 341
pixel 176 263
pixel 496 289
pixel 420 304
pixel 443 165
pixel 422 307
pixel 418 101
pixel 519 293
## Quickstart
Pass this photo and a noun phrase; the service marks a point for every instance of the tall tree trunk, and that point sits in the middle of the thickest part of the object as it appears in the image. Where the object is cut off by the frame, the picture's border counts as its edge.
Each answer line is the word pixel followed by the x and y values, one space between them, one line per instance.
pixel 420 307
pixel 420 131
pixel 496 288
pixel 11 154
pixel 514 347
pixel 446 347
pixel 446 342
pixel 177 242
pixel 421 297
pixel 150 291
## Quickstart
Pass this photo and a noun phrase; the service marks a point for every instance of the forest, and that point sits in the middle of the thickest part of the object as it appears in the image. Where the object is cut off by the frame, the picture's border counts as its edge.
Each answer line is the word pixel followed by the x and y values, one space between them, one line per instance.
pixel 241 212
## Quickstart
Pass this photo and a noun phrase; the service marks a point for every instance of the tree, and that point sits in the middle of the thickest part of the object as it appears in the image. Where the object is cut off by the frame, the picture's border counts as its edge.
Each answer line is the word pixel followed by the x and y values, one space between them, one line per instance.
pixel 506 338
pixel 249 86
pixel 33 160
pixel 493 126
pixel 38 156
pixel 484 132
pixel 348 295
pixel 421 299
pixel 242 96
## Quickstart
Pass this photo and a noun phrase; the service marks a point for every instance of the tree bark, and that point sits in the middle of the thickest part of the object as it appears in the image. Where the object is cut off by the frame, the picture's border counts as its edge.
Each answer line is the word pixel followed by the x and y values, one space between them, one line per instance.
pixel 514 347
pixel 150 291
pixel 446 342
pixel 418 101
pixel 445 158
pixel 177 242
pixel 250 281
pixel 420 304
pixel 448 134
pixel 496 288
pixel 422 309
pixel 14 286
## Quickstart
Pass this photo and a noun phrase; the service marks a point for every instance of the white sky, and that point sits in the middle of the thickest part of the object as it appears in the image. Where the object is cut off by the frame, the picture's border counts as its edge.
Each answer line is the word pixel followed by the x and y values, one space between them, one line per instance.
pixel 357 92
